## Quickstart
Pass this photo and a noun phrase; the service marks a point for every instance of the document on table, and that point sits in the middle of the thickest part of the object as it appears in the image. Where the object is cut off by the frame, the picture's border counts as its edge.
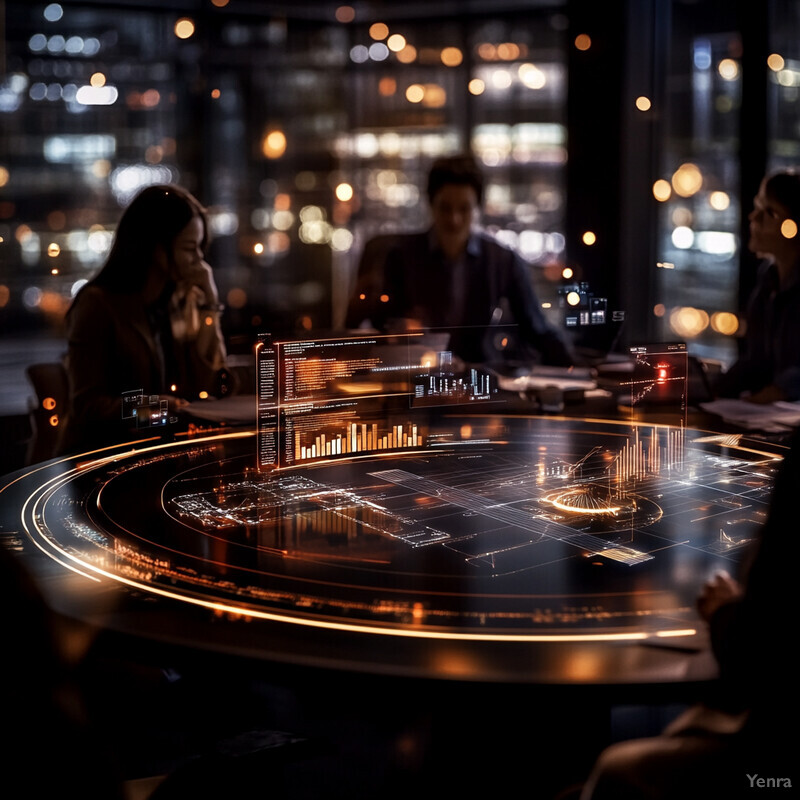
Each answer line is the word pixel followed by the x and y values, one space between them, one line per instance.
pixel 767 417
pixel 235 410
pixel 564 378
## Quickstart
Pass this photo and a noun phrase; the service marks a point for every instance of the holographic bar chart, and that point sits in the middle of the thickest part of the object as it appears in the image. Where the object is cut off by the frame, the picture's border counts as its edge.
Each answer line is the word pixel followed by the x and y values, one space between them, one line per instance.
pixel 357 437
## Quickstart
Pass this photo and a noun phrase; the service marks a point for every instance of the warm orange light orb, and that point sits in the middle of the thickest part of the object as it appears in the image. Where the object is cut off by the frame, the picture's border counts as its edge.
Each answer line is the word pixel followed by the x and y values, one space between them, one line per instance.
pixel 725 322
pixel 452 56
pixel 345 14
pixel 776 62
pixel 184 28
pixel 687 180
pixel 379 31
pixel 583 41
pixel 274 144
pixel 662 191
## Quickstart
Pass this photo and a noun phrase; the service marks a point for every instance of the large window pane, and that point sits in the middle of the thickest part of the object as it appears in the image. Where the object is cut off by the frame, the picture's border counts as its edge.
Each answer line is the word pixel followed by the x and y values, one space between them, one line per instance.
pixel 305 134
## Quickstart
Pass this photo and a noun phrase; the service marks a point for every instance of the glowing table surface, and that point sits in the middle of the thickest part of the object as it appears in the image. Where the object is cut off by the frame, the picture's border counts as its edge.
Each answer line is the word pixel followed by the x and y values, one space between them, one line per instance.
pixel 516 549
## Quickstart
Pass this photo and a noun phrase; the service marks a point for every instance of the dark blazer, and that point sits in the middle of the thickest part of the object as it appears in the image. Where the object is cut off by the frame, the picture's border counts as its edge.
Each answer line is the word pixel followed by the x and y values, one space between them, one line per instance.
pixel 772 340
pixel 490 286
pixel 113 349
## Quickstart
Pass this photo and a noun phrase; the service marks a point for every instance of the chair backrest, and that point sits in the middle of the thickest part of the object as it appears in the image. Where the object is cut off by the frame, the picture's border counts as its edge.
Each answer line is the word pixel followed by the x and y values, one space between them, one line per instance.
pixel 51 388
pixel 369 280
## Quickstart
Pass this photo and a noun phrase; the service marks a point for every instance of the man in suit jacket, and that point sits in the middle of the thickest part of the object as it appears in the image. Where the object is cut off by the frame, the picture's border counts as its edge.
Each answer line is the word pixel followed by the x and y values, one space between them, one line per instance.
pixel 456 277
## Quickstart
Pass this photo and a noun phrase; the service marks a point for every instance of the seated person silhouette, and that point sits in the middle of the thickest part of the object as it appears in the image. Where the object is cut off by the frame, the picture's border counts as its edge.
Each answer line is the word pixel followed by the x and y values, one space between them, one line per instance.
pixel 53 746
pixel 148 321
pixel 769 367
pixel 742 731
pixel 454 276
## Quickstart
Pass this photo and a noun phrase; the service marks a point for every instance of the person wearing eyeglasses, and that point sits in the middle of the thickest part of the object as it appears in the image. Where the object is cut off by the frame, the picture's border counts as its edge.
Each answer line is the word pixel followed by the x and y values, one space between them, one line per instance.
pixel 769 367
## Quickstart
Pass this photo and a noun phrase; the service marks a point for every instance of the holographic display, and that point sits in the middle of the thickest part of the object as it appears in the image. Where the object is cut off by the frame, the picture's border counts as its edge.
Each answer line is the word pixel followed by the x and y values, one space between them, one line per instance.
pixel 660 378
pixel 580 307
pixel 365 523
pixel 548 526
pixel 501 532
pixel 146 411
pixel 324 398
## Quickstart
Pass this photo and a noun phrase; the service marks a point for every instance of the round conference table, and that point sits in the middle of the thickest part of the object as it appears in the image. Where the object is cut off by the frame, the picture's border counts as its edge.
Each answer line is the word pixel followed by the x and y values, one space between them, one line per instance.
pixel 508 549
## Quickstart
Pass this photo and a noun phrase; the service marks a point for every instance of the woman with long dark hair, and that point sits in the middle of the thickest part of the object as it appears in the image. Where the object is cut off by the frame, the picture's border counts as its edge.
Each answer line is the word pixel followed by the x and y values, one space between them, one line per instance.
pixel 147 325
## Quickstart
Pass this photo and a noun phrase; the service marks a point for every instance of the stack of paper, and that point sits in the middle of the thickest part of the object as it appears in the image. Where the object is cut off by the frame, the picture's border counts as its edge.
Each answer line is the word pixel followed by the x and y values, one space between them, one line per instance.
pixel 767 417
